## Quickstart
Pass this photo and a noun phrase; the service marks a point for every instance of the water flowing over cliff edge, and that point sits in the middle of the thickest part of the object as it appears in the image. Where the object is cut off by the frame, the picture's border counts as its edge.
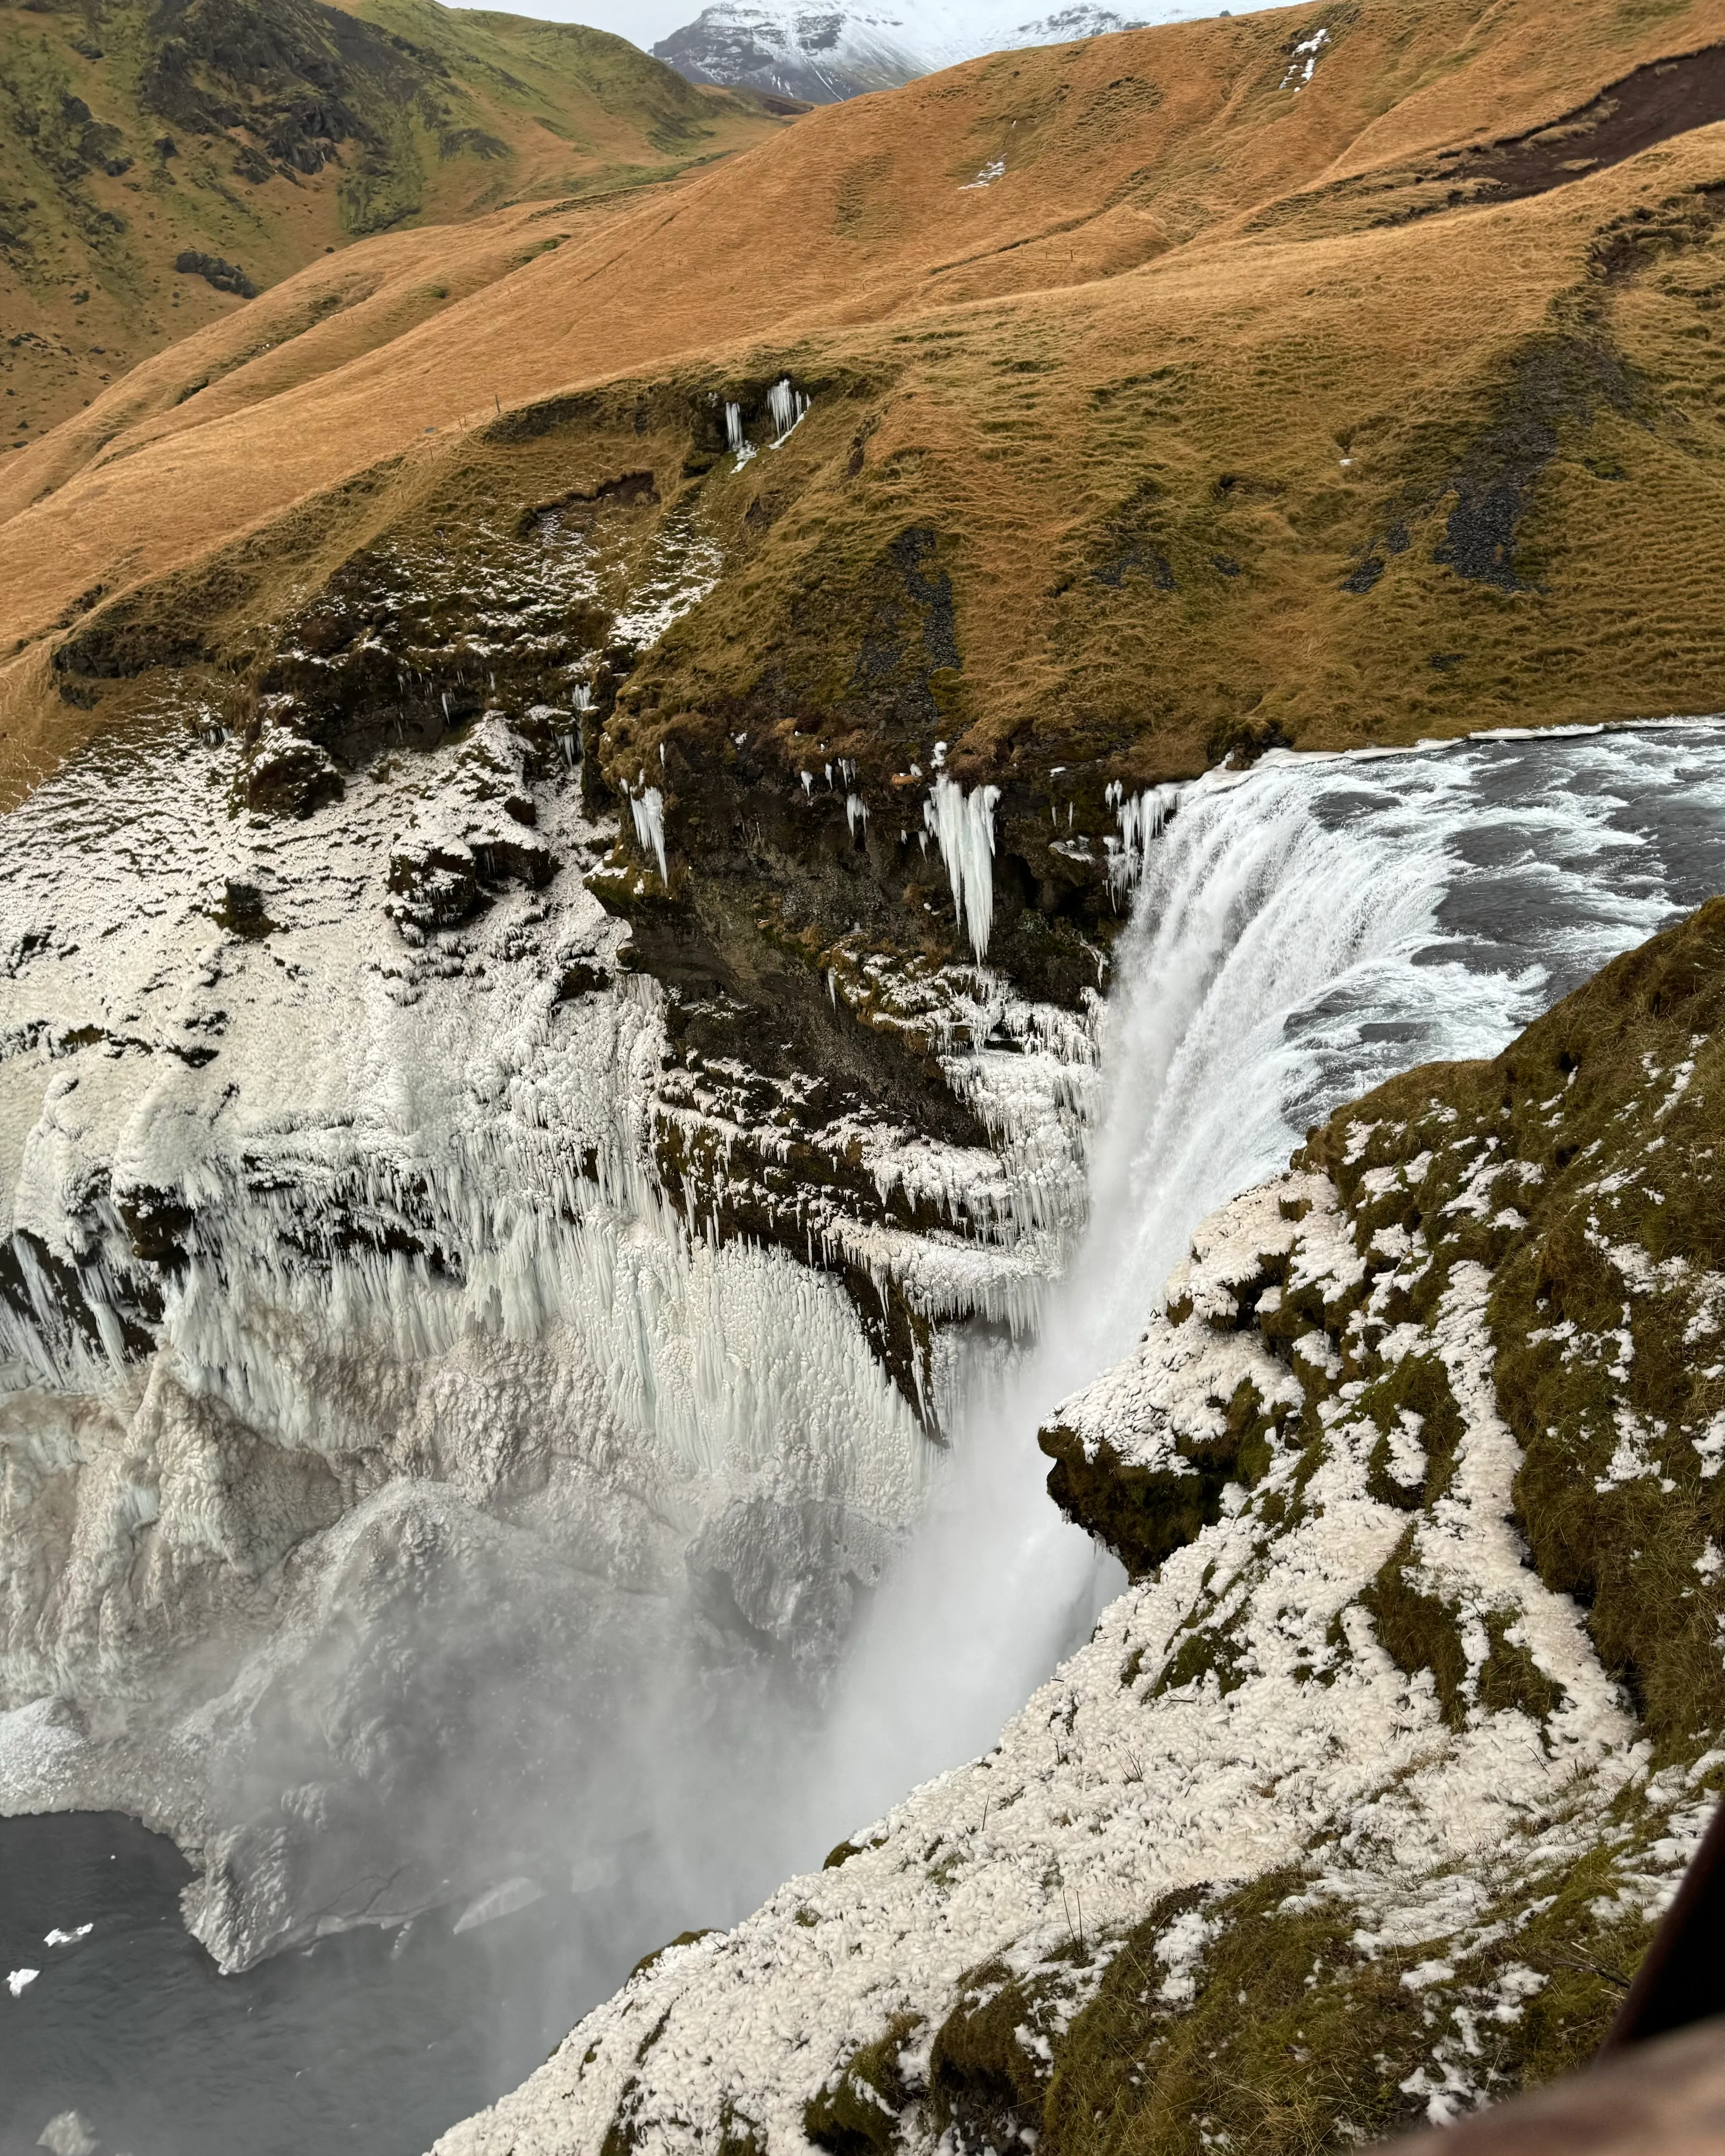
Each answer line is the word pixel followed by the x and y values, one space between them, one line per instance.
pixel 498 1582
pixel 1359 1803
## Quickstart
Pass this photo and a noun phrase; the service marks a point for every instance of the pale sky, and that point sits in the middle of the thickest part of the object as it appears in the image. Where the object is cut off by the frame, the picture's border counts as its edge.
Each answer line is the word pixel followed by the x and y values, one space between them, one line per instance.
pixel 643 21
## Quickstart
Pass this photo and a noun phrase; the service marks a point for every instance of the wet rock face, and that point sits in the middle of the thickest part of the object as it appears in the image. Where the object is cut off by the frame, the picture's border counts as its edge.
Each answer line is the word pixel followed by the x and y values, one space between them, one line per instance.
pixel 288 774
pixel 398 653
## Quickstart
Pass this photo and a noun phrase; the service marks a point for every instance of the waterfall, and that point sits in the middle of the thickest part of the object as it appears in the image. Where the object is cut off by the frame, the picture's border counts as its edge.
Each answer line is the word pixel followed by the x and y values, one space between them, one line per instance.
pixel 423 1219
pixel 964 825
pixel 1302 931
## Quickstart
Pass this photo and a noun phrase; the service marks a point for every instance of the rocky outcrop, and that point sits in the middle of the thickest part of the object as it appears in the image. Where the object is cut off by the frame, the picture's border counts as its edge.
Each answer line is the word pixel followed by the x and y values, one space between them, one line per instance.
pixel 1360 1803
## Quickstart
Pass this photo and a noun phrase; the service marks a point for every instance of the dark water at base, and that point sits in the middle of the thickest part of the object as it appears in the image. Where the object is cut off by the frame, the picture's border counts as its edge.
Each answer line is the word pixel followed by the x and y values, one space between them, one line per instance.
pixel 372 2040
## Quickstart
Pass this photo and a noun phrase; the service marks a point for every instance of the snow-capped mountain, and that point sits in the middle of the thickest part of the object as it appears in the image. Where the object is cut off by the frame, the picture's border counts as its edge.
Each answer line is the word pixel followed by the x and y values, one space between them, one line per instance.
pixel 826 55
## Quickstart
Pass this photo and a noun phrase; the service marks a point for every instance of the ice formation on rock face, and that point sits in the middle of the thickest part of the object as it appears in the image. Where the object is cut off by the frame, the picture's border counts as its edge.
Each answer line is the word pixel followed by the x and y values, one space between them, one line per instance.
pixel 1116 1786
pixel 964 826
pixel 344 1330
pixel 787 406
pixel 733 427
pixel 1142 817
pixel 648 809
pixel 1302 929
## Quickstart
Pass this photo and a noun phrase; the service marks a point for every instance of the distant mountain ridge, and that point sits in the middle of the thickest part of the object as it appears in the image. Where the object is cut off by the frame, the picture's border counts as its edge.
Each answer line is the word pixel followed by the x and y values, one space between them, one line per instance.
pixel 827 54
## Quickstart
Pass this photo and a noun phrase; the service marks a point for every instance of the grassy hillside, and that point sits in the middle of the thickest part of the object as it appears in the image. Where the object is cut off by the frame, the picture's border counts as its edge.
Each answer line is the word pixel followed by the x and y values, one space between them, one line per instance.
pixel 1234 409
pixel 136 133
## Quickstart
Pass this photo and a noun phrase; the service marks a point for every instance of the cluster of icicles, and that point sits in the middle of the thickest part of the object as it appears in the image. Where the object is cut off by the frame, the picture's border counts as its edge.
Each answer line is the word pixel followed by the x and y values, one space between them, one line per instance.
pixel 786 407
pixel 963 825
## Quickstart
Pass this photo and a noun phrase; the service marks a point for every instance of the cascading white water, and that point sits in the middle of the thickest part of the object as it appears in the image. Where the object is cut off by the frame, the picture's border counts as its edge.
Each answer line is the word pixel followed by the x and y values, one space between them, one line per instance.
pixel 1301 932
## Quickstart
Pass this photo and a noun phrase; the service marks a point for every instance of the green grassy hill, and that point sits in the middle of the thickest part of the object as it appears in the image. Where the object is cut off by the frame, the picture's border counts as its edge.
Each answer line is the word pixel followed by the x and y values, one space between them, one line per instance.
pixel 160 159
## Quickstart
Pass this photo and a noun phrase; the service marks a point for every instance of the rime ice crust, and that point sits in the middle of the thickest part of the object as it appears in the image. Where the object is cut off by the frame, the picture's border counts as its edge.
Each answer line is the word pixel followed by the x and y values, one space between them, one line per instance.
pixel 341 1302
pixel 1348 1702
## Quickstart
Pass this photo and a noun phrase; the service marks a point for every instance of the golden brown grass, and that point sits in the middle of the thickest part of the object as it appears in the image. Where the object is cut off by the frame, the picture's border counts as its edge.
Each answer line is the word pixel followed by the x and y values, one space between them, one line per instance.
pixel 1116 388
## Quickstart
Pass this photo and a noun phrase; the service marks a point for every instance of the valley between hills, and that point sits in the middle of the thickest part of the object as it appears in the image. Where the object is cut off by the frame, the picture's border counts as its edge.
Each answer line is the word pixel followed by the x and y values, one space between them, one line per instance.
pixel 727 831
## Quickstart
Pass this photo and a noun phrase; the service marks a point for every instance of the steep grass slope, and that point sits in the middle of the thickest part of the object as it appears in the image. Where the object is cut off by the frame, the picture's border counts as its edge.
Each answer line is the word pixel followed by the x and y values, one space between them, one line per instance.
pixel 243 141
pixel 1360 1803
pixel 1234 404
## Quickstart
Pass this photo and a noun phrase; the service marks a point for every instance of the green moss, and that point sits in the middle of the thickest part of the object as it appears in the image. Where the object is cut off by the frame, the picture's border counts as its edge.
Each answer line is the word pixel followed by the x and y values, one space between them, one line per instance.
pixel 1418 1632
pixel 739 2136
pixel 985 2087
pixel 1144 1514
pixel 1206 1651
pixel 682 1939
pixel 1298 2041
pixel 856 2112
pixel 1509 1677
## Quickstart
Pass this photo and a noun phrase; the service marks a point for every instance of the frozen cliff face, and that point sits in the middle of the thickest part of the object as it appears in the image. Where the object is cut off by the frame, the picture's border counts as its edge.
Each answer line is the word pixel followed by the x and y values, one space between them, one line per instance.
pixel 1359 1802
pixel 391 1457
pixel 826 54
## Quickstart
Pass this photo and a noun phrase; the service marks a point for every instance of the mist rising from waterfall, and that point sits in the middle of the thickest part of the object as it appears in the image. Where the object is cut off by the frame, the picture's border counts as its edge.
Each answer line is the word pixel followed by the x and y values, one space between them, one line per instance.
pixel 654 1756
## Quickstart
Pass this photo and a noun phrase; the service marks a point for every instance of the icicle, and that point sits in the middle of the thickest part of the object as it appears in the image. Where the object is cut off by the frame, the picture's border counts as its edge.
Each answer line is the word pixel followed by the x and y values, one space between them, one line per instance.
pixel 964 825
pixel 648 809
pixel 808 779
pixel 856 811
pixel 733 427
pixel 787 405
pixel 1142 818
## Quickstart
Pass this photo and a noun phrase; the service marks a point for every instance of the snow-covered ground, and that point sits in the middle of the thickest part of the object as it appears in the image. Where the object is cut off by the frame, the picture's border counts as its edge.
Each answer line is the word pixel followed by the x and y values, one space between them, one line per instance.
pixel 1295 1741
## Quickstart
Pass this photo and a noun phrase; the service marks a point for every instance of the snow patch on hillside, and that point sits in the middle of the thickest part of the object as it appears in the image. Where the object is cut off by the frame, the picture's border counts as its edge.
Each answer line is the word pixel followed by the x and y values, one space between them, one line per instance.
pixel 831 53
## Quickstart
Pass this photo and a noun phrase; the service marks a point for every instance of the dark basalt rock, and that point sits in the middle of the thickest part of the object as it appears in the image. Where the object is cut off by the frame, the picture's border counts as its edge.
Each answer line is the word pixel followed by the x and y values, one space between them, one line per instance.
pixel 444 883
pixel 287 775
pixel 224 277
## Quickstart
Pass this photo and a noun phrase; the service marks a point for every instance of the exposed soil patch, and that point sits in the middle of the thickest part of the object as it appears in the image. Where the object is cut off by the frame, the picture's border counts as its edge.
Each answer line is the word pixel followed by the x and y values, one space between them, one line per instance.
pixel 1666 98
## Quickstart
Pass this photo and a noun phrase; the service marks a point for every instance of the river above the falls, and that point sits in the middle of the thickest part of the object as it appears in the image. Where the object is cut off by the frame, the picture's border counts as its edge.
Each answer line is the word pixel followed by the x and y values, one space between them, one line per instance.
pixel 1302 932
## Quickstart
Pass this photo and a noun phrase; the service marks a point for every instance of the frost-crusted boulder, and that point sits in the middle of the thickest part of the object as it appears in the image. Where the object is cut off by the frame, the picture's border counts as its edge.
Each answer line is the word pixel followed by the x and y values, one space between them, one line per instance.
pixel 1360 1803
